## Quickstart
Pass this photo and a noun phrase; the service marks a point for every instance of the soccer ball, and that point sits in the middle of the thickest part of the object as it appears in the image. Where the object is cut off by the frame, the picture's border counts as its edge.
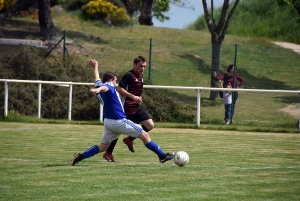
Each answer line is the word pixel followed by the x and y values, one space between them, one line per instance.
pixel 181 158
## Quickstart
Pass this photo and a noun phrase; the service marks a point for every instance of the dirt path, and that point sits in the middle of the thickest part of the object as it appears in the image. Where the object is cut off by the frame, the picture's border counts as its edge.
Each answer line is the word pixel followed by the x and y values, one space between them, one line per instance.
pixel 293 109
pixel 292 46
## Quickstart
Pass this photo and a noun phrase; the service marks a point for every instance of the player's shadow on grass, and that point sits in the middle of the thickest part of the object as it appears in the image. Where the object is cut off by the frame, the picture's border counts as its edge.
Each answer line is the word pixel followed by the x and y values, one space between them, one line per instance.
pixel 293 99
pixel 56 164
pixel 197 61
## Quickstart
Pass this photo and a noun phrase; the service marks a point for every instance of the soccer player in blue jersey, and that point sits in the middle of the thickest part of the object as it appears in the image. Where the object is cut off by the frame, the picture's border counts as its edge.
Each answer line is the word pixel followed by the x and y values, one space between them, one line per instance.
pixel 131 88
pixel 115 122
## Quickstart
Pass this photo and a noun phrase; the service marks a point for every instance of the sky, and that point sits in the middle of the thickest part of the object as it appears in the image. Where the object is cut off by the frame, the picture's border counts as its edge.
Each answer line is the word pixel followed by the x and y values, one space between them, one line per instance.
pixel 182 17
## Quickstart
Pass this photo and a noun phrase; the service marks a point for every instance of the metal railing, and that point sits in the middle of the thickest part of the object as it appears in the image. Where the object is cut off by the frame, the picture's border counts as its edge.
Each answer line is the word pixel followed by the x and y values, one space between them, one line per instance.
pixel 70 85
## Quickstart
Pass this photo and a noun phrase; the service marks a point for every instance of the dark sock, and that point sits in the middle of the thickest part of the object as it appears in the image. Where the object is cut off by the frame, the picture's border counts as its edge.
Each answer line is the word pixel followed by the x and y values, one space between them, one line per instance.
pixel 111 147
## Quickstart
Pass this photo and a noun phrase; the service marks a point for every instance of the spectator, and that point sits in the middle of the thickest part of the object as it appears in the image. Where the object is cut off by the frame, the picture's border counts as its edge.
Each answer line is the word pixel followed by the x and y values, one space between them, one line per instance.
pixel 227 100
pixel 235 83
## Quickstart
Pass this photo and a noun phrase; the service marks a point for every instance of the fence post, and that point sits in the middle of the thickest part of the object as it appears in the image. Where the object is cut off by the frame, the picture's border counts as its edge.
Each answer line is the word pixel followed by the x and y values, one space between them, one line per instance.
pixel 198 106
pixel 150 60
pixel 234 77
pixel 39 100
pixel 6 99
pixel 70 102
pixel 64 44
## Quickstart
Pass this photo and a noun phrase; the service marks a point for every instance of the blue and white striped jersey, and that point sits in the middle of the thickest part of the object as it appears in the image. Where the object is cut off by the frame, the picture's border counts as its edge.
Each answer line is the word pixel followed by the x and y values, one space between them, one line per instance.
pixel 112 105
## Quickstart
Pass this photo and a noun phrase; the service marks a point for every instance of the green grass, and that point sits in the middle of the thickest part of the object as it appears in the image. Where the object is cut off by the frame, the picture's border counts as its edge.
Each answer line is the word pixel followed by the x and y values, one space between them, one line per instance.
pixel 224 165
pixel 215 124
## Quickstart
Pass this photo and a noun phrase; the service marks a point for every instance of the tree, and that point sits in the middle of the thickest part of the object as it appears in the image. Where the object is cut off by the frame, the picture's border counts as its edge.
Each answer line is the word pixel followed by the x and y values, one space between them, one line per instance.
pixel 146 13
pixel 20 5
pixel 45 20
pixel 296 4
pixel 147 9
pixel 217 31
pixel 131 6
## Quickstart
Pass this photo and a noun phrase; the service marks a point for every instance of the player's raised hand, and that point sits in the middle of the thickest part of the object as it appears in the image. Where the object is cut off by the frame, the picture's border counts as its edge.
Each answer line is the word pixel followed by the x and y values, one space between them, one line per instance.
pixel 93 62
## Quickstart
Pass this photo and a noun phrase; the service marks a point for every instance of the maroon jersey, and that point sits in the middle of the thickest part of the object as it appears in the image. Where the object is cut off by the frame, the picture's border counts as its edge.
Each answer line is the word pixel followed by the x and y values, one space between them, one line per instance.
pixel 239 81
pixel 133 83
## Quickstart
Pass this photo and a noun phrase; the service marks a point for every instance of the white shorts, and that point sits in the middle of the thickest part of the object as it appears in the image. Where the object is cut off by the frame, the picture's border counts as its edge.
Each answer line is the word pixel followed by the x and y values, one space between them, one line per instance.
pixel 114 128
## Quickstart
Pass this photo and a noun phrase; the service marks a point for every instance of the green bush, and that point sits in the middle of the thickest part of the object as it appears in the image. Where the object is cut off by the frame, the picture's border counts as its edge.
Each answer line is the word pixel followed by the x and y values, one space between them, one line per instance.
pixel 102 9
pixel 23 98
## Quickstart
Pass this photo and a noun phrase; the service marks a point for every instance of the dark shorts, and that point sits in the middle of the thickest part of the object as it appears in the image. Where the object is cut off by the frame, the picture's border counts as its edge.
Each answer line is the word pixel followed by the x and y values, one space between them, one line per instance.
pixel 139 116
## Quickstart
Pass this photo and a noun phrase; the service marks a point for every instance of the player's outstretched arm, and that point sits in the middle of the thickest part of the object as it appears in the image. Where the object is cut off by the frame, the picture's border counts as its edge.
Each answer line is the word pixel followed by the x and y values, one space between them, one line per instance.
pixel 98 90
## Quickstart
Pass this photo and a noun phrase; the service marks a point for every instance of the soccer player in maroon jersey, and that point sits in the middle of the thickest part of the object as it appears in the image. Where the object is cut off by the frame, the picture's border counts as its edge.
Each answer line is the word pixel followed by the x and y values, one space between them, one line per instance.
pixel 131 88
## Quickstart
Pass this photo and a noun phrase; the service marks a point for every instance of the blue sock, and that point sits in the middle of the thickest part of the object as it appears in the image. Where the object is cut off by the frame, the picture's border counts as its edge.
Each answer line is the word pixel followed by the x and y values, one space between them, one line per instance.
pixel 91 151
pixel 155 148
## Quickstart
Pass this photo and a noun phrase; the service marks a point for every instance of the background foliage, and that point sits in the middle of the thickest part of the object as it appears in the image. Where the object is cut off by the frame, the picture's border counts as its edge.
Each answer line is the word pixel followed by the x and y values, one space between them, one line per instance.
pixel 26 65
pixel 101 9
pixel 4 4
pixel 254 18
pixel 178 57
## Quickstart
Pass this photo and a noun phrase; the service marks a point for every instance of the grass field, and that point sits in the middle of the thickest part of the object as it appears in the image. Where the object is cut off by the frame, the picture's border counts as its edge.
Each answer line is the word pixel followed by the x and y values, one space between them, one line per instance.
pixel 224 165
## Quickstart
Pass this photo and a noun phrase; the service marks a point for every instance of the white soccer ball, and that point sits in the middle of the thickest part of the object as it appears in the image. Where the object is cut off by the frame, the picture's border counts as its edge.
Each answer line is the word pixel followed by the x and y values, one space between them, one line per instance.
pixel 181 158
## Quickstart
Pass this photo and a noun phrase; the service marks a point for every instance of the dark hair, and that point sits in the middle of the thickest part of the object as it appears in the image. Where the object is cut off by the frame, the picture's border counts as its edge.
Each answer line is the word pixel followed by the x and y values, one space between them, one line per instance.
pixel 108 76
pixel 138 59
pixel 225 85
pixel 231 66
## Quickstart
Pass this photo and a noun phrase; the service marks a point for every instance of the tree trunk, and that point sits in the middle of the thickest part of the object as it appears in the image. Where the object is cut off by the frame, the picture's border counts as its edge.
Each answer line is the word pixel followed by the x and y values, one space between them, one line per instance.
pixel 146 13
pixel 45 20
pixel 217 31
pixel 131 6
pixel 216 52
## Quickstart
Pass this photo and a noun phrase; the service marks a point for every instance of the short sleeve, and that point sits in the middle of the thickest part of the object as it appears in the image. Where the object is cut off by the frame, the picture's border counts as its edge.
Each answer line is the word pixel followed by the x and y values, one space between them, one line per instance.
pixel 126 79
pixel 98 83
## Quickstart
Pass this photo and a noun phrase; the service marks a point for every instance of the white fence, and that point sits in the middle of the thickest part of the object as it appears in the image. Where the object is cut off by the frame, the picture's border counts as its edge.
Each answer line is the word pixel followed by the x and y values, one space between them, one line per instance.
pixel 70 85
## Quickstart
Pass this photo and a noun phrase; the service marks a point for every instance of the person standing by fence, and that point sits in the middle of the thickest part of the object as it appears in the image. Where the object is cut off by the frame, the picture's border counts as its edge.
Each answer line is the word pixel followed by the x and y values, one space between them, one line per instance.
pixel 227 101
pixel 235 80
